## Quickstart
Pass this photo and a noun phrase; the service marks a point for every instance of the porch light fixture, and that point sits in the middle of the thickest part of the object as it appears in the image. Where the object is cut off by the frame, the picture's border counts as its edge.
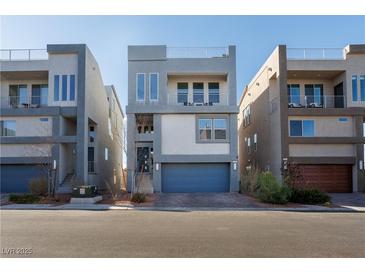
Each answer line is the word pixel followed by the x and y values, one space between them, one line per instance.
pixel 234 165
pixel 157 166
pixel 54 164
pixel 361 165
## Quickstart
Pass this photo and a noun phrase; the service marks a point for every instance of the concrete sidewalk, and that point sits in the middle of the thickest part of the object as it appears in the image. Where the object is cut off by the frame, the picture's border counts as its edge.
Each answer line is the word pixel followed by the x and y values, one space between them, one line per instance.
pixel 101 207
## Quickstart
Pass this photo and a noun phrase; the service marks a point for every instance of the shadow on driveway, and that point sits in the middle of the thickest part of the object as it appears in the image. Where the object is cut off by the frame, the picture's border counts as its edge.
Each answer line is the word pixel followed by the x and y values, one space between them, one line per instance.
pixel 348 199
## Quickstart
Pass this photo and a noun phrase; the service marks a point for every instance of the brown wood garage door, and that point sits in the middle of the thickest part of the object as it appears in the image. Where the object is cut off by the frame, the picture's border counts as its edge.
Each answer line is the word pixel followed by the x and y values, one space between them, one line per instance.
pixel 328 178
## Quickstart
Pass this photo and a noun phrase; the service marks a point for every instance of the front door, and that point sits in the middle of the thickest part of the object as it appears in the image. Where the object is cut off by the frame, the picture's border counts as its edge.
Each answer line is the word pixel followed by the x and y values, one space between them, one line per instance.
pixel 339 100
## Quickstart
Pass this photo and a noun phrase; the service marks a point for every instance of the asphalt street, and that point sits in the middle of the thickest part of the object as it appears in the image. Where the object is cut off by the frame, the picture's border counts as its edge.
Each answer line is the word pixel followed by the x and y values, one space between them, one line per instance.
pixel 133 233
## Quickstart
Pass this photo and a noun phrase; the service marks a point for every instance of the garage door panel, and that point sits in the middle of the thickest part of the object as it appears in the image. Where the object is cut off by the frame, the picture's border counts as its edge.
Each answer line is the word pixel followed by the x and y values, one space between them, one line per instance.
pixel 212 177
pixel 328 178
pixel 15 178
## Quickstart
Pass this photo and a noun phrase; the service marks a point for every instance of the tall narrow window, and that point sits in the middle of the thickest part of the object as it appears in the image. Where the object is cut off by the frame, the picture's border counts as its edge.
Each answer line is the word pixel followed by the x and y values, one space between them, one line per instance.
pixel 18 95
pixel 255 141
pixel 249 145
pixel 44 95
pixel 182 93
pixel 72 87
pixel 213 89
pixel 220 129
pixel 295 128
pixel 198 92
pixel 354 88
pixel 140 86
pixel 64 87
pixel 36 95
pixel 205 129
pixel 90 158
pixel 153 86
pixel 314 95
pixel 56 96
pixel 294 94
pixel 362 87
pixel 308 128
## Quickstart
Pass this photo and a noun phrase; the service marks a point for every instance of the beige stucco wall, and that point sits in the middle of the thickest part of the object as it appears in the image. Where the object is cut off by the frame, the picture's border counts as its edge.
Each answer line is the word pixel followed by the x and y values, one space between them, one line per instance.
pixel 173 80
pixel 178 136
pixel 31 126
pixel 62 64
pixel 329 126
pixel 25 150
pixel 321 150
pixel 355 65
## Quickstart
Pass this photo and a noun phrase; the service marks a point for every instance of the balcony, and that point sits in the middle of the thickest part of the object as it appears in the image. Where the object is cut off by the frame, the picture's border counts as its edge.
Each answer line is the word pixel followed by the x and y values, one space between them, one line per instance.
pixel 315 54
pixel 24 101
pixel 23 54
pixel 326 101
pixel 198 99
pixel 197 52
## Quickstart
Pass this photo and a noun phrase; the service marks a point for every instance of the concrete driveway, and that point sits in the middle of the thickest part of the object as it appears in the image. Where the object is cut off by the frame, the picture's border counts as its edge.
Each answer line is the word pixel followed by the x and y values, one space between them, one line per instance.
pixel 228 200
pixel 349 199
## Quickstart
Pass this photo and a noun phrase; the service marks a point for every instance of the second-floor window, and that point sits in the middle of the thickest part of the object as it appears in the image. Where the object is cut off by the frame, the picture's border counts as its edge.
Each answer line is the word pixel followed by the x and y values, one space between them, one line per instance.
pixel 18 95
pixel 66 84
pixel 7 128
pixel 153 86
pixel 140 86
pixel 362 87
pixel 40 95
pixel 182 93
pixel 294 94
pixel 213 89
pixel 198 92
pixel 301 128
pixel 354 88
pixel 212 129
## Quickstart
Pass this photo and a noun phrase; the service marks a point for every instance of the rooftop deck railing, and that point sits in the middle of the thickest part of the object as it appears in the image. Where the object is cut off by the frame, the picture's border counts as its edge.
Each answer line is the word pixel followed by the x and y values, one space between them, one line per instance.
pixel 23 54
pixel 315 53
pixel 197 52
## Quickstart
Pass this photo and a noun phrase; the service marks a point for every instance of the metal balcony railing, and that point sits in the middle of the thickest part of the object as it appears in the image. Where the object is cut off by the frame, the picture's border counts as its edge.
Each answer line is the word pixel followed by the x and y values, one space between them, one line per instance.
pixel 197 52
pixel 326 101
pixel 24 101
pixel 184 99
pixel 315 54
pixel 23 54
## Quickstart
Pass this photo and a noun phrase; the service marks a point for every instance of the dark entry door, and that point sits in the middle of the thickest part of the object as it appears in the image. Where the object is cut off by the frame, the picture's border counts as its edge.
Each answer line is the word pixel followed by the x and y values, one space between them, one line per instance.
pixel 339 99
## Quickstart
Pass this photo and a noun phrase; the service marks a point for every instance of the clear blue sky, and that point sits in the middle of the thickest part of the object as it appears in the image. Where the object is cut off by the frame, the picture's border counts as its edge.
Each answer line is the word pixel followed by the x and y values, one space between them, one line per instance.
pixel 108 36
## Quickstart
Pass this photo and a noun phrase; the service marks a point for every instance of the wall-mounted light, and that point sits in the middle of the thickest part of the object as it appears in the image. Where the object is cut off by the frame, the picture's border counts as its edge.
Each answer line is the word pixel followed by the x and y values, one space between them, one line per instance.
pixel 269 69
pixel 54 164
pixel 234 165
pixel 257 84
pixel 157 166
pixel 361 165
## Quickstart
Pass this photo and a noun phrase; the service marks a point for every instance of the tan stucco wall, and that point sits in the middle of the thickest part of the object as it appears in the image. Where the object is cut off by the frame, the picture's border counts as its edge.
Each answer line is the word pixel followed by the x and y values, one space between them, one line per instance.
pixel 329 126
pixel 321 150
pixel 31 126
pixel 27 150
pixel 178 136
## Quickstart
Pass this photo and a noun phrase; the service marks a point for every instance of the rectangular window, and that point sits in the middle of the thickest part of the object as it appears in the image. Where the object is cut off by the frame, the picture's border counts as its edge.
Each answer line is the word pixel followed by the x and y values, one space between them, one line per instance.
pixel 106 152
pixel 198 93
pixel 354 88
pixel 140 86
pixel 39 95
pixel 90 158
pixel 294 94
pixel 64 87
pixel 56 88
pixel 18 95
pixel 249 145
pixel 314 95
pixel 255 141
pixel 8 128
pixel 247 116
pixel 220 129
pixel 43 119
pixel 92 134
pixel 182 93
pixel 299 128
pixel 205 129
pixel 72 87
pixel 153 86
pixel 213 89
pixel 362 87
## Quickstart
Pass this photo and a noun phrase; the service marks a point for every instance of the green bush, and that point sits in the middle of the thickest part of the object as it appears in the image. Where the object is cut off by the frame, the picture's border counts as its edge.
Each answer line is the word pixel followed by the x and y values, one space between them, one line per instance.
pixel 272 191
pixel 38 186
pixel 24 199
pixel 138 198
pixel 309 196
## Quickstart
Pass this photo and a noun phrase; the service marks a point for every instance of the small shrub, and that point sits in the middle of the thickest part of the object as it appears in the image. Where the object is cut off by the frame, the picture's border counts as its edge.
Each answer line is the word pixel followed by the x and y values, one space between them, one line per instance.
pixel 138 198
pixel 24 199
pixel 38 186
pixel 271 191
pixel 249 180
pixel 309 196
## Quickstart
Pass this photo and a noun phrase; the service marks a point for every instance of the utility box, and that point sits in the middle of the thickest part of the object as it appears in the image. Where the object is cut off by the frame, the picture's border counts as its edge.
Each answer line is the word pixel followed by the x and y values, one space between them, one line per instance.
pixel 84 191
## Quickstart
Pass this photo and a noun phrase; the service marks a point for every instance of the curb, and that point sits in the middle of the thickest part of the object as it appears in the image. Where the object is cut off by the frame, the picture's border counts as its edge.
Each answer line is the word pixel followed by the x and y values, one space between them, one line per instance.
pixel 101 207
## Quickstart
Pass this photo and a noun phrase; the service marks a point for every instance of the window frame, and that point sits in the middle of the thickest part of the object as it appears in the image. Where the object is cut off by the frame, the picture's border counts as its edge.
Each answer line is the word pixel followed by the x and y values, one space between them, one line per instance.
pixel 64 88
pixel 200 93
pixel 72 86
pixel 157 86
pixel 362 87
pixel 302 128
pixel 56 88
pixel 212 117
pixel 290 96
pixel 354 90
pixel 210 92
pixel 3 129
pixel 182 92
pixel 144 87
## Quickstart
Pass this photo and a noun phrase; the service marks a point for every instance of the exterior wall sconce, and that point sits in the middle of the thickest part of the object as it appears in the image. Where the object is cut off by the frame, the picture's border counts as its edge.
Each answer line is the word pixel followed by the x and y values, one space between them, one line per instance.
pixel 157 166
pixel 361 165
pixel 257 84
pixel 234 165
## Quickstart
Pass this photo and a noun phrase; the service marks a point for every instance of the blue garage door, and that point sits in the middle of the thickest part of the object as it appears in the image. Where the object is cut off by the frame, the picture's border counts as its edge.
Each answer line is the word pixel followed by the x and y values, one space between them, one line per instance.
pixel 195 177
pixel 15 178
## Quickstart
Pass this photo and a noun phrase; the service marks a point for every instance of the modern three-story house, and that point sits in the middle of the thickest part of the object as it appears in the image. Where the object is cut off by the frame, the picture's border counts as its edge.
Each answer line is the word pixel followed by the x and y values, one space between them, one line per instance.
pixel 182 119
pixel 306 108
pixel 56 110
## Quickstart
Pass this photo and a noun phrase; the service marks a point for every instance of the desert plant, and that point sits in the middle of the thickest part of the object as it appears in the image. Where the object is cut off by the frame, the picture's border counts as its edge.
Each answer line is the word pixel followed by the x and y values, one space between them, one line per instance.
pixel 272 191
pixel 24 199
pixel 309 196
pixel 249 181
pixel 138 198
pixel 292 175
pixel 38 186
